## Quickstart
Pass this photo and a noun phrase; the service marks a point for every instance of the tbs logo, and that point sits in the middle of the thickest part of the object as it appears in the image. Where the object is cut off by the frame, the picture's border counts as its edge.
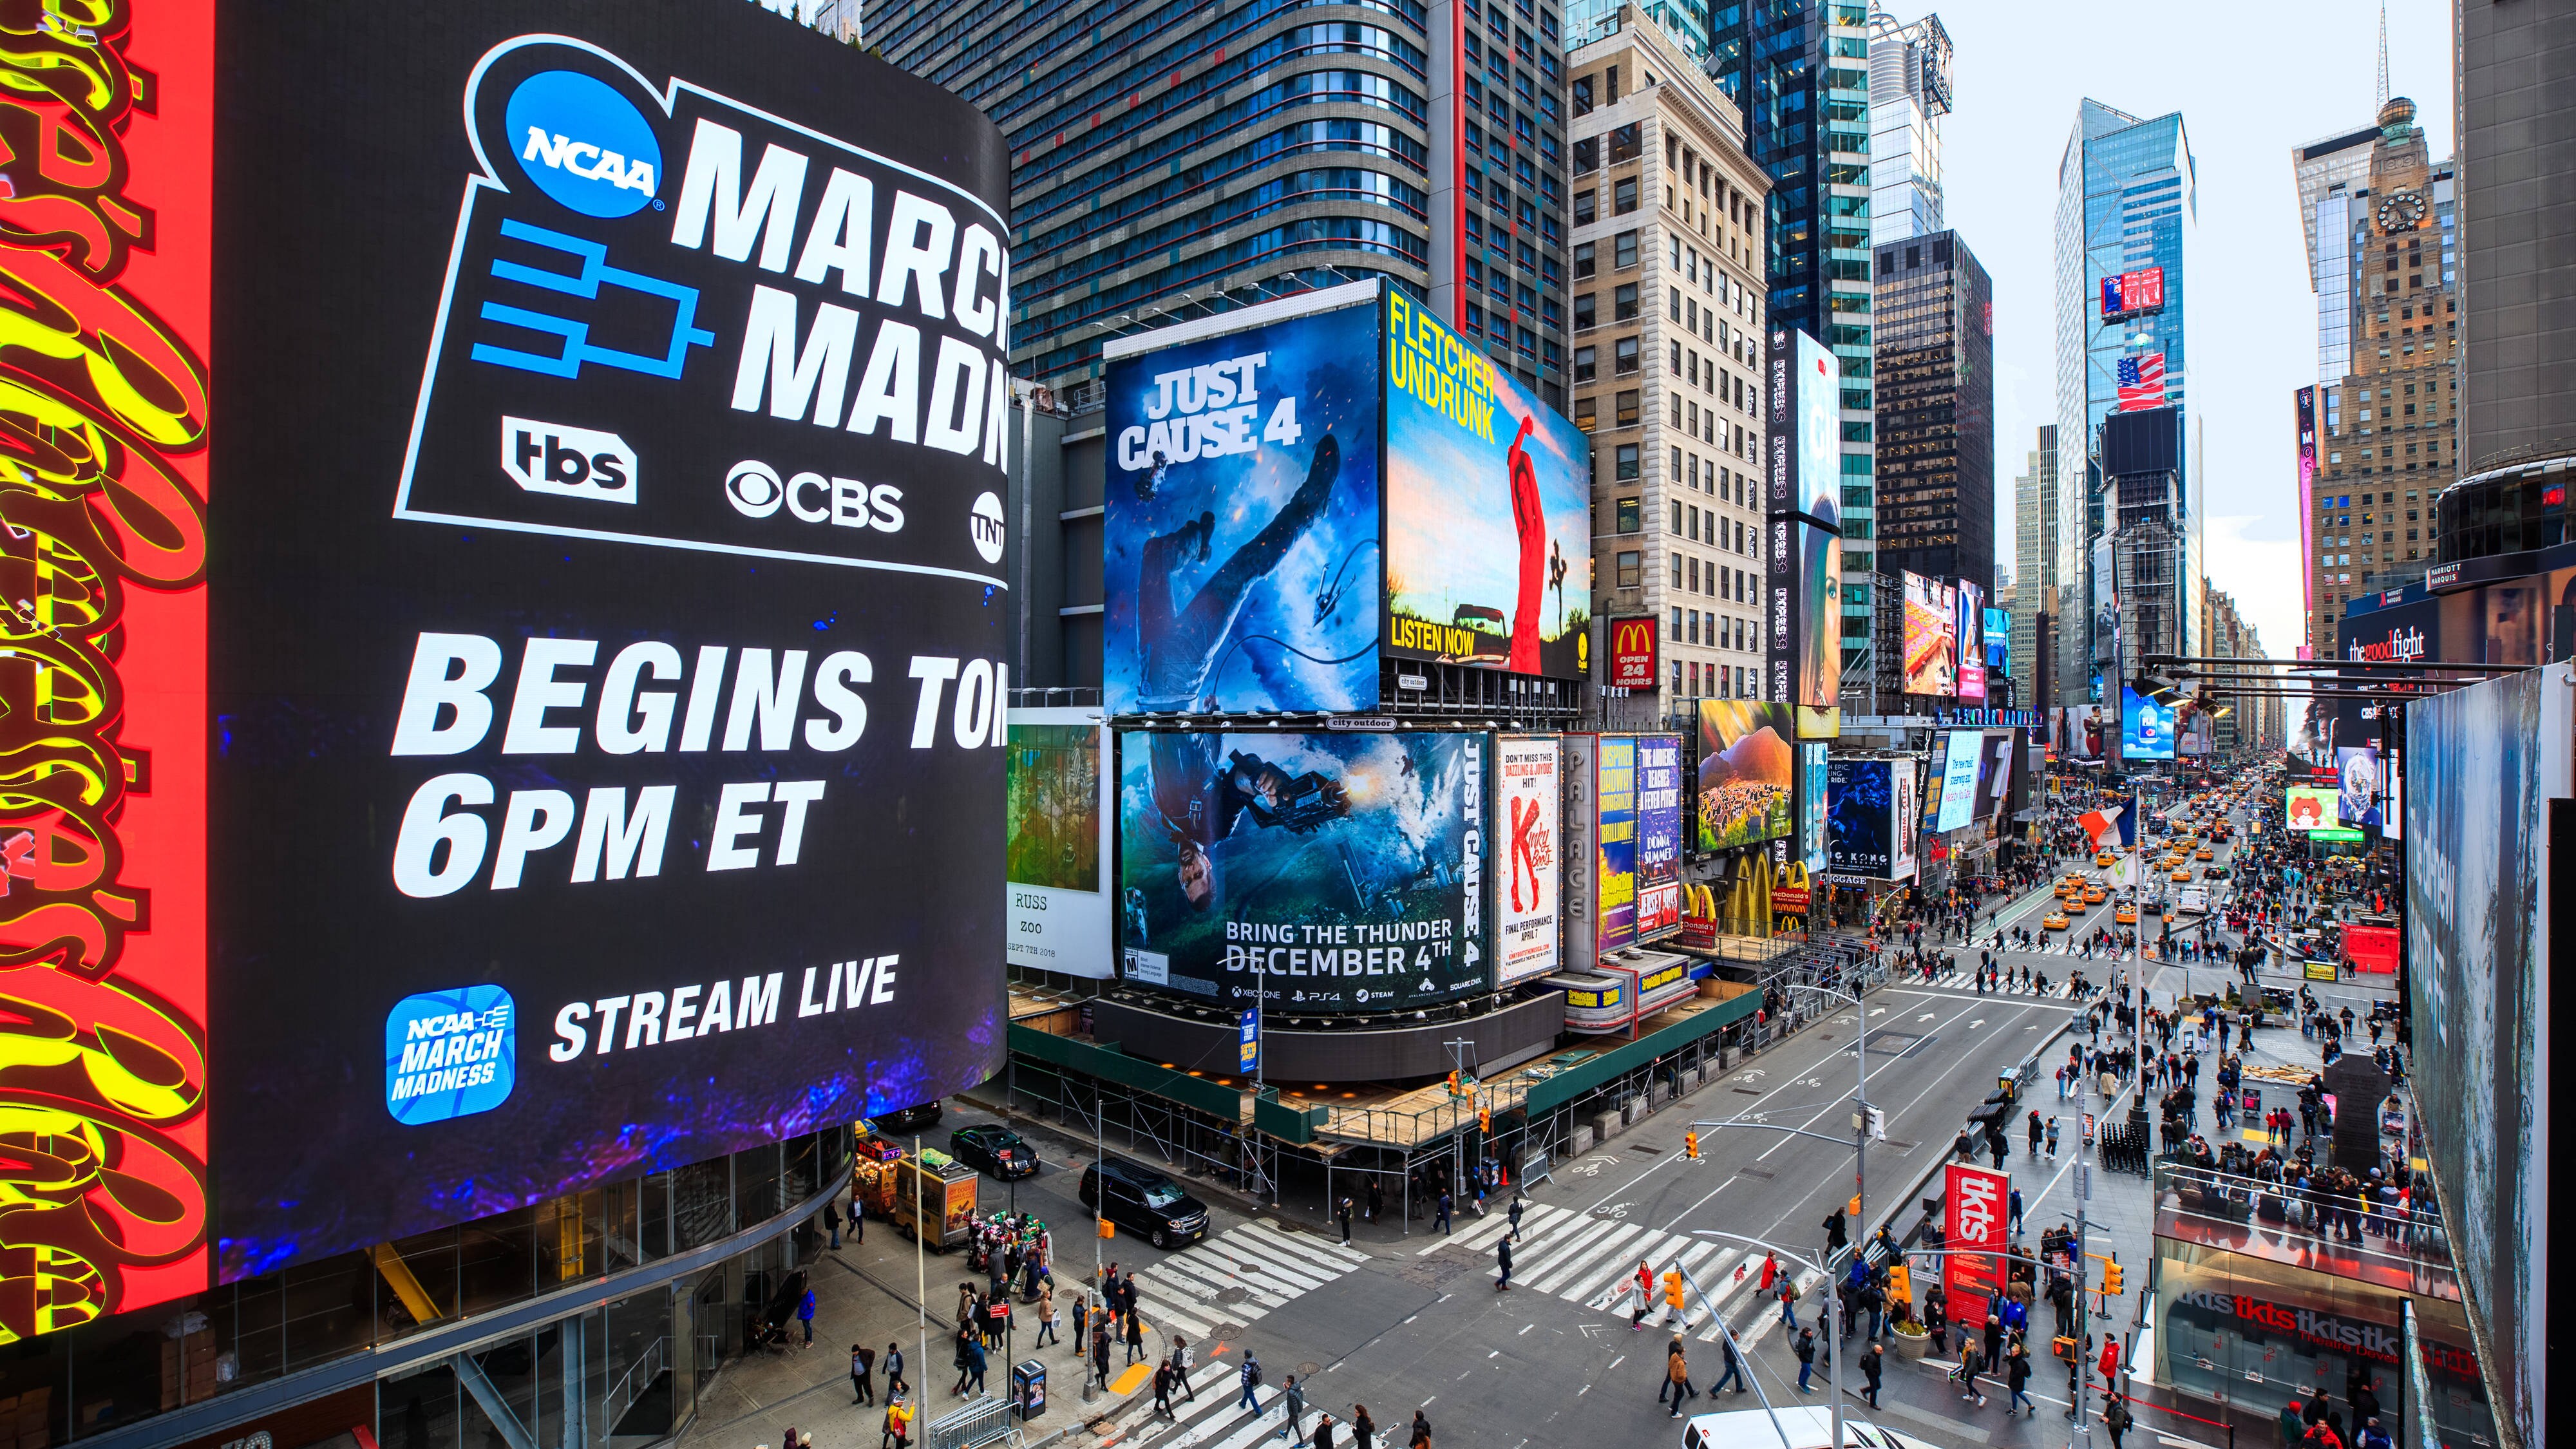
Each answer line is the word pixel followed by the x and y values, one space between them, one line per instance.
pixel 569 462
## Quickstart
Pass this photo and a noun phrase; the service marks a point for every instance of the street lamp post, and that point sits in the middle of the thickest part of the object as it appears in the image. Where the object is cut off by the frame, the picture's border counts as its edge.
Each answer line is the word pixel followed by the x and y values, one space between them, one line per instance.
pixel 1860 1091
pixel 1824 1268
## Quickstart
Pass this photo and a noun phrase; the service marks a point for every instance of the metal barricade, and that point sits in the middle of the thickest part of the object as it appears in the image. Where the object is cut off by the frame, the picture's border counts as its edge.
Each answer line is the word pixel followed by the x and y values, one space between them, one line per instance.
pixel 980 1420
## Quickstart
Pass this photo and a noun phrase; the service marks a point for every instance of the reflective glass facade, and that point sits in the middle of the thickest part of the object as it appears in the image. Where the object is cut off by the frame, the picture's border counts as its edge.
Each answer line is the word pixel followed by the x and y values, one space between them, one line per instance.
pixel 1936 411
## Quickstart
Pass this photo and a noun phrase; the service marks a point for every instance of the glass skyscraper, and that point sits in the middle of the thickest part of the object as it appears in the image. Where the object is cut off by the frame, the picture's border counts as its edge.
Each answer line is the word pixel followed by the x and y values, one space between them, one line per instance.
pixel 1909 93
pixel 2125 203
pixel 1801 73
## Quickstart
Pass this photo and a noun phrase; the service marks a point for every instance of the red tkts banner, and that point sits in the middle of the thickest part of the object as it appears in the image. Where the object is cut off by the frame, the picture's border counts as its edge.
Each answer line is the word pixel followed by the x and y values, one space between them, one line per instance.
pixel 1977 1203
pixel 2371 948
pixel 1632 653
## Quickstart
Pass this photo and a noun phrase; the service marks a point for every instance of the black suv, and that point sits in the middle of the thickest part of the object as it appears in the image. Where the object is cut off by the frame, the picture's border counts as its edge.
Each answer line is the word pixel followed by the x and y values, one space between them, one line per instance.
pixel 993 1148
pixel 903 1121
pixel 1144 1200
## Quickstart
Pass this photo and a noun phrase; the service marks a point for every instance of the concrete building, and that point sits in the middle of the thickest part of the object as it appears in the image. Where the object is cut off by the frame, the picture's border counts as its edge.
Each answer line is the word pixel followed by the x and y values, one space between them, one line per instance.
pixel 1934 330
pixel 1668 245
pixel 2248 720
pixel 1909 93
pixel 1170 163
pixel 2388 429
pixel 1800 73
pixel 2035 550
pixel 2126 213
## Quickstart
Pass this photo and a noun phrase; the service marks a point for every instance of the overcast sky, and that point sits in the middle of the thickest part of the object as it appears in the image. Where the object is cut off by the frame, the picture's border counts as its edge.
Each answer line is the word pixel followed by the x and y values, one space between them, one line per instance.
pixel 2251 81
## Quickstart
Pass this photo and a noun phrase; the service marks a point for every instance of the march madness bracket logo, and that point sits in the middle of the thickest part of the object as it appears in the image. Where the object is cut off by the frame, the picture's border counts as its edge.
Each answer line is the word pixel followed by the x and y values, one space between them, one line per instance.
pixel 450 1054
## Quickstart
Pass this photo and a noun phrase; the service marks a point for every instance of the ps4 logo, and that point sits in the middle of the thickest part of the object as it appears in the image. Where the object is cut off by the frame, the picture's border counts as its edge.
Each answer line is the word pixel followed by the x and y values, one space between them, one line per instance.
pixel 568 462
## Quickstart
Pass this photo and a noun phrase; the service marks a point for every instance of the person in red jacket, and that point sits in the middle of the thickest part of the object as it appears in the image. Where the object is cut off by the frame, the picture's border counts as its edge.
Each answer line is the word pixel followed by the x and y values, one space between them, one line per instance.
pixel 2110 1365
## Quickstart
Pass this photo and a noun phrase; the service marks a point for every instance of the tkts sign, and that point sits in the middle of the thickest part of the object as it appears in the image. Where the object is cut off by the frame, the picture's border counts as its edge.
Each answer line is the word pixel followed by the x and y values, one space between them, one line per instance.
pixel 1632 653
pixel 1978 1202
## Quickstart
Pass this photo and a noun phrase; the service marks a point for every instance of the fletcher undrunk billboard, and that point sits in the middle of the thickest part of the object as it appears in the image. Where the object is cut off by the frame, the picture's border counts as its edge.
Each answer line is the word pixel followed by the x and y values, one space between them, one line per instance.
pixel 605 610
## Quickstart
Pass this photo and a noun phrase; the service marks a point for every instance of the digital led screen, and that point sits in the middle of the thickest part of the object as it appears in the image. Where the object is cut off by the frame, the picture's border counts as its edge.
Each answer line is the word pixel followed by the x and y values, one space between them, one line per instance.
pixel 1812 798
pixel 1804 555
pixel 1488 509
pixel 1527 810
pixel 1614 789
pixel 1659 836
pixel 2146 727
pixel 1931 636
pixel 1995 773
pixel 1959 779
pixel 1055 852
pixel 1747 767
pixel 2359 802
pixel 1998 642
pixel 1241 520
pixel 1315 871
pixel 1861 831
pixel 1970 632
pixel 606 606
pixel 2306 809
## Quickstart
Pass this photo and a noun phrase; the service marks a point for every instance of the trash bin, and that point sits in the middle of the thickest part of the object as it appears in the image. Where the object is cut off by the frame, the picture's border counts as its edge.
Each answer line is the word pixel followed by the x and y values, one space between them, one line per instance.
pixel 1028 1387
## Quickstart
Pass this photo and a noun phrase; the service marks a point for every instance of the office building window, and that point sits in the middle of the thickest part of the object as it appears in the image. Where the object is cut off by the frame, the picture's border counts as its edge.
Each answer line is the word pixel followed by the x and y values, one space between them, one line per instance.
pixel 1630 514
pixel 1582 260
pixel 1626 143
pixel 1626 415
pixel 1627 456
pixel 1584 415
pixel 1584 213
pixel 1630 568
pixel 1623 195
pixel 1623 361
pixel 1623 303
pixel 1623 249
pixel 1583 361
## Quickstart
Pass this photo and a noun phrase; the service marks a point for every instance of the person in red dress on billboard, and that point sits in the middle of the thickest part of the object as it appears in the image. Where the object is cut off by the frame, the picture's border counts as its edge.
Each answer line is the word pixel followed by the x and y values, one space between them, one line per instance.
pixel 1530 520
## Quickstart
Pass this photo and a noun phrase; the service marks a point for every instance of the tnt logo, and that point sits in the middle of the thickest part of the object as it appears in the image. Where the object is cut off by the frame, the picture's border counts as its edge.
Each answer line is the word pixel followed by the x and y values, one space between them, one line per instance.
pixel 583 144
pixel 570 462
pixel 984 524
pixel 450 1054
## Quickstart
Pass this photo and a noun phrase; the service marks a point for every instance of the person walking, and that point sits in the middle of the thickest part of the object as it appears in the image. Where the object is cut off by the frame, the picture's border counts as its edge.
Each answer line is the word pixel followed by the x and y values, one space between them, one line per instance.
pixel 1645 1296
pixel 2017 1378
pixel 862 1367
pixel 1677 1377
pixel 1503 1262
pixel 1788 1301
pixel 1342 1212
pixel 1249 1376
pixel 1971 1363
pixel 2117 1419
pixel 1046 1314
pixel 1806 1351
pixel 1135 1336
pixel 1872 1368
pixel 805 1315
pixel 1421 1431
pixel 1734 1366
pixel 1442 1222
pixel 1293 1398
pixel 858 1220
pixel 1323 1431
pixel 898 1425
pixel 1163 1389
pixel 1100 1350
pixel 895 1385
pixel 1376 1198
pixel 1514 1213
pixel 1363 1428
pixel 975 1363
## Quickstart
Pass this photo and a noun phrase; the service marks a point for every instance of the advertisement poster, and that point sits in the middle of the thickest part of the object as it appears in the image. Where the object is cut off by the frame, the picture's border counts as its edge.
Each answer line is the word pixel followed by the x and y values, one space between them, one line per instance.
pixel 1995 772
pixel 2305 808
pixel 1615 788
pixel 1747 767
pixel 2082 733
pixel 1488 509
pixel 2481 894
pixel 1632 653
pixel 1977 1204
pixel 1931 641
pixel 1860 827
pixel 1528 810
pixel 1971 632
pixel 1959 761
pixel 1804 529
pixel 2146 727
pixel 1659 836
pixel 1240 531
pixel 2358 802
pixel 2392 810
pixel 1581 853
pixel 1813 851
pixel 1903 794
pixel 1055 847
pixel 1319 872
pixel 1998 643
pixel 602 634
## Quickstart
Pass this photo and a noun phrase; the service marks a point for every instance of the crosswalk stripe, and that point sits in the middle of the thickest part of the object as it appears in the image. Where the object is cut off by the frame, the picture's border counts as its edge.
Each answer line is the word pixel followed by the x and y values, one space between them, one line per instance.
pixel 1552 1276
pixel 1169 1318
pixel 1569 1252
pixel 1481 1236
pixel 1206 1270
pixel 1612 1276
pixel 1286 1272
pixel 1324 1248
pixel 1176 1282
pixel 1535 1249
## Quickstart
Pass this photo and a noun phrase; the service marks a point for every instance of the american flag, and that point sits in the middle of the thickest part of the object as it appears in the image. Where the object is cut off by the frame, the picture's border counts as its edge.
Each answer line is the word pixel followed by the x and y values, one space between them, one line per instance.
pixel 2142 381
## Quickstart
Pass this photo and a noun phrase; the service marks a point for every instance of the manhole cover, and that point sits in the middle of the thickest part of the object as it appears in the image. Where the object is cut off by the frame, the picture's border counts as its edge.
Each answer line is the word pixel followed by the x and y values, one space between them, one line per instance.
pixel 1101 1427
pixel 1309 1370
pixel 1229 1330
pixel 1235 1293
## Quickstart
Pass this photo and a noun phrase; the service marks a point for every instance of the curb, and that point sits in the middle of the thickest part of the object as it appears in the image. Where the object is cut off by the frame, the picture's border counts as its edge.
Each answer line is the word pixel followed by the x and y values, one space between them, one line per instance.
pixel 1242 1202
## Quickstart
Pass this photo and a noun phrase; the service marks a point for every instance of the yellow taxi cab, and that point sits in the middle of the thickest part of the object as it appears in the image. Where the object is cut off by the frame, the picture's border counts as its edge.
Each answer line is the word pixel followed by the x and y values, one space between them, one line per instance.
pixel 2126 915
pixel 2182 876
pixel 2093 895
pixel 2068 890
pixel 2205 853
pixel 2053 923
pixel 2105 860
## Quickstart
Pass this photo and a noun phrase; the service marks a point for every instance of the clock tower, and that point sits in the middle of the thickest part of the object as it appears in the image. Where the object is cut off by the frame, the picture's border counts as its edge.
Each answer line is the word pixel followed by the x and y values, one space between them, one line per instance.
pixel 2387 431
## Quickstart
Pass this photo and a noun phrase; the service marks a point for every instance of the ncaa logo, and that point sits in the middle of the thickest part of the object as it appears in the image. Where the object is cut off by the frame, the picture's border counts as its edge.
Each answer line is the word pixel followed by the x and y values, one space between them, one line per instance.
pixel 583 143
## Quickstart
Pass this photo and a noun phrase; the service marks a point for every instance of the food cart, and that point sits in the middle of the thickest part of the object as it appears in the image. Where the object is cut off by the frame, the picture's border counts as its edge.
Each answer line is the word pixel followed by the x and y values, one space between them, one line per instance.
pixel 934 1198
pixel 872 1174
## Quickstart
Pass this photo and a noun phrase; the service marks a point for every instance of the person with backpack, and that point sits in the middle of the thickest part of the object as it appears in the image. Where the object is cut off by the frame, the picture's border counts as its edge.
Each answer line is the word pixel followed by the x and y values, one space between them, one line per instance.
pixel 898 1425
pixel 1871 1368
pixel 2116 1418
pixel 1788 1301
pixel 1250 1378
pixel 2017 1378
pixel 1972 1362
pixel 1183 1360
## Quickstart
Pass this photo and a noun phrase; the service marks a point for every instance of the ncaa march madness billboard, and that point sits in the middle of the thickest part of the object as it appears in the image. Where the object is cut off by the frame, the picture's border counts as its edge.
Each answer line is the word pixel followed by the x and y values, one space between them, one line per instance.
pixel 545 725
pixel 1488 509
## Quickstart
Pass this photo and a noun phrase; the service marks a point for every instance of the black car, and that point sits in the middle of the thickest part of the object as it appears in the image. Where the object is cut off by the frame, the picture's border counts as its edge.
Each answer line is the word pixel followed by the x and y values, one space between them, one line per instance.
pixel 904 1121
pixel 991 1147
pixel 1145 1201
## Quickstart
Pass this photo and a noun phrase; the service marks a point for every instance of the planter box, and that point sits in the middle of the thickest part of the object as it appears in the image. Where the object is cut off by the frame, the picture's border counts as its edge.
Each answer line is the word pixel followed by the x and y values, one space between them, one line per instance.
pixel 1911 1345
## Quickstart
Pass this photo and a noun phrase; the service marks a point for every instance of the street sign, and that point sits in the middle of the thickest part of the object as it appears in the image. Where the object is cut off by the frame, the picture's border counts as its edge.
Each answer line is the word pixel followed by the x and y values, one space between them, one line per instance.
pixel 1251 1039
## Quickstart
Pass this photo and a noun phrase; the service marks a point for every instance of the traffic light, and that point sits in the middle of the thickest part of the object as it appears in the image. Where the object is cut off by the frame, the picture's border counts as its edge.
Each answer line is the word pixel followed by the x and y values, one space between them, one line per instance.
pixel 1900 1283
pixel 1673 1290
pixel 1485 1120
pixel 1690 1144
pixel 1853 1210
pixel 2111 1277
pixel 1453 1082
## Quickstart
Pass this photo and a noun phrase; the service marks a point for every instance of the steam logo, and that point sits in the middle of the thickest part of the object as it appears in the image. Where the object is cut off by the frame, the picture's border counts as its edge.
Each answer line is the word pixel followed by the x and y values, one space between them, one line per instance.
pixel 754 489
pixel 985 524
pixel 583 144
pixel 569 462
pixel 450 1054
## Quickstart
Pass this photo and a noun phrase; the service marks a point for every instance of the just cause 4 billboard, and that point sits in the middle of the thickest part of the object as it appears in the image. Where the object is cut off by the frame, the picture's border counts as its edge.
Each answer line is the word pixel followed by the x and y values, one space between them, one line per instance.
pixel 529 733
pixel 1302 486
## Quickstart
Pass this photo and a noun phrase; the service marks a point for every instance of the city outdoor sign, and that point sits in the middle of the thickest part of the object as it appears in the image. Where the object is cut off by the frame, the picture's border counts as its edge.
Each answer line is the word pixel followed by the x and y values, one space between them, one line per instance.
pixel 2133 294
